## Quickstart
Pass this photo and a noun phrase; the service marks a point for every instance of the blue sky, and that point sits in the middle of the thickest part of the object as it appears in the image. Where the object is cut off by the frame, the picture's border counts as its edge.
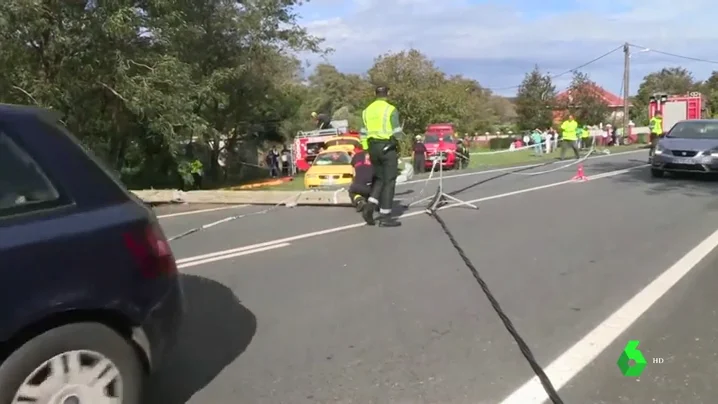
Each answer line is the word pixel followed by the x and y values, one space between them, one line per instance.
pixel 497 42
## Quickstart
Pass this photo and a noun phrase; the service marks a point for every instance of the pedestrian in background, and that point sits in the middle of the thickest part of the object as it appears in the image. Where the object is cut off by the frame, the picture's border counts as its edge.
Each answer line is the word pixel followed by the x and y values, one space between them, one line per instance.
pixel 418 155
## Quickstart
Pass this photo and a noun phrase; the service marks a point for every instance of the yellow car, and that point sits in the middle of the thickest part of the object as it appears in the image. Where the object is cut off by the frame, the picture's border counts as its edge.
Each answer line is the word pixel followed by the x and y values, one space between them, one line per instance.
pixel 330 168
pixel 346 143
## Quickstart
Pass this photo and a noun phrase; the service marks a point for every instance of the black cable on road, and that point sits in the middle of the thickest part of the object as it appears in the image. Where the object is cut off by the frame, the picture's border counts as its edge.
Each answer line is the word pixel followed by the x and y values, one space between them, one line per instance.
pixel 525 350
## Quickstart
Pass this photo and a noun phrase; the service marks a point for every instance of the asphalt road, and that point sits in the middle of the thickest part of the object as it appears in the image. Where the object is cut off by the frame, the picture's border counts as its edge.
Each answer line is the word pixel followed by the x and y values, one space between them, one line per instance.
pixel 307 305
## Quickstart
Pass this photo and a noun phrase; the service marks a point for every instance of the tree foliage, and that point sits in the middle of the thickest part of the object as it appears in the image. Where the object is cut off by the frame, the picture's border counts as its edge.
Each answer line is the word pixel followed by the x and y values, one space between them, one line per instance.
pixel 669 80
pixel 584 100
pixel 151 86
pixel 535 101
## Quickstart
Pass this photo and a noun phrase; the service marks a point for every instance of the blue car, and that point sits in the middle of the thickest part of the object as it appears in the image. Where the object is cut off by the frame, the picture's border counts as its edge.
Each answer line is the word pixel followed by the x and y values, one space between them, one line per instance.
pixel 89 288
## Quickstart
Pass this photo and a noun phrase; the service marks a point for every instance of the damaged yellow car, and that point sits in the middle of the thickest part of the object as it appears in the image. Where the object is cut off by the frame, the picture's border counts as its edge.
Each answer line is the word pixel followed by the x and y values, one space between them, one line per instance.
pixel 330 168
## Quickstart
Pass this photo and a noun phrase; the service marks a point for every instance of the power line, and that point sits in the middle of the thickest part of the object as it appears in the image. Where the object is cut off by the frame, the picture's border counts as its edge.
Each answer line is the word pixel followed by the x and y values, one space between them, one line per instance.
pixel 675 55
pixel 555 76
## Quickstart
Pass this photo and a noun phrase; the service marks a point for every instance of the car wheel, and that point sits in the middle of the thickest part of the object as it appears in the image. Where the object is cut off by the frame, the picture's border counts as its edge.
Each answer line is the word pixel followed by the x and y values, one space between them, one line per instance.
pixel 76 363
pixel 655 173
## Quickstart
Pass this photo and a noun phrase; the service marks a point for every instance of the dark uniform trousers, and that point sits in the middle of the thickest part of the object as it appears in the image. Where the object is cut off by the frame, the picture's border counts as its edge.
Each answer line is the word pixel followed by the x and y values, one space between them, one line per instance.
pixel 654 142
pixel 386 169
pixel 419 162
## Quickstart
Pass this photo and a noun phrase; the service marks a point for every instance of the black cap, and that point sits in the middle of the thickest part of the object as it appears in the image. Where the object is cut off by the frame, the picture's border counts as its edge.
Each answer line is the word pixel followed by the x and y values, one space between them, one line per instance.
pixel 381 91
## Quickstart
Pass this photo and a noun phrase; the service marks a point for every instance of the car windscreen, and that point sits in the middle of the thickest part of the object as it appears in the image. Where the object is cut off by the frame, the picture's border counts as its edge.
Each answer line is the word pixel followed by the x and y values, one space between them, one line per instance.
pixel 435 138
pixel 694 130
pixel 332 159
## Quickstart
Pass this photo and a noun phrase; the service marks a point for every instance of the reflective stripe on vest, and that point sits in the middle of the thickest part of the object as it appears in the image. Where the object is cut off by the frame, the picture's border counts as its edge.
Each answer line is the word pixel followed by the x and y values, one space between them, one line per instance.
pixel 377 120
pixel 657 126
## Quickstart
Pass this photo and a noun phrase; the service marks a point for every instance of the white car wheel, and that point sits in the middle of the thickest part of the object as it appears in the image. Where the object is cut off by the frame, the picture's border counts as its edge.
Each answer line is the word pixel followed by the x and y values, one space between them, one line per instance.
pixel 73 377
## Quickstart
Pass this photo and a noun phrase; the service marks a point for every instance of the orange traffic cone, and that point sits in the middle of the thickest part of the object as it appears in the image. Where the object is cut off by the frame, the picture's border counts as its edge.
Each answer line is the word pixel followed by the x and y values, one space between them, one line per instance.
pixel 580 176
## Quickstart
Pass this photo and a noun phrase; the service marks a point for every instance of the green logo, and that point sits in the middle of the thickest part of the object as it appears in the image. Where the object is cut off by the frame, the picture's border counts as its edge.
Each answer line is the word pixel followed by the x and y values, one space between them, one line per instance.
pixel 631 353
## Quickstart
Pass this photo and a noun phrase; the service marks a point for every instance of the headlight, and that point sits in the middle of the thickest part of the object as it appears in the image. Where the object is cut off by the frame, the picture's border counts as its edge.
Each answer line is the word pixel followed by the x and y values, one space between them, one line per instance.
pixel 660 149
pixel 712 153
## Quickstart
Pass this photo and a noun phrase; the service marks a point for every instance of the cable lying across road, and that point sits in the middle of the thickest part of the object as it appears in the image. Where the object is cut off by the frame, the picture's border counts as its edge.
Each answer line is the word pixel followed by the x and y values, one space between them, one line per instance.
pixel 525 350
pixel 289 202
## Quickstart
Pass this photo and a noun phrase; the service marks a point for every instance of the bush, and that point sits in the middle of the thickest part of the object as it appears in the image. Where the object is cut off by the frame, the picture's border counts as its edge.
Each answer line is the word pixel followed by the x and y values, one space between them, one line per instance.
pixel 500 143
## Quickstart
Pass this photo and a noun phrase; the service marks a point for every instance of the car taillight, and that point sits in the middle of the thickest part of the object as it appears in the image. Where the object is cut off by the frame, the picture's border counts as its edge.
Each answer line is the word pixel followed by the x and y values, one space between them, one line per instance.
pixel 152 251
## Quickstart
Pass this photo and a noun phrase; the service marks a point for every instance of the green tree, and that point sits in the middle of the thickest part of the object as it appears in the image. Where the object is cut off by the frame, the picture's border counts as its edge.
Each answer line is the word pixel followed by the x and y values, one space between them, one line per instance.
pixel 150 86
pixel 535 101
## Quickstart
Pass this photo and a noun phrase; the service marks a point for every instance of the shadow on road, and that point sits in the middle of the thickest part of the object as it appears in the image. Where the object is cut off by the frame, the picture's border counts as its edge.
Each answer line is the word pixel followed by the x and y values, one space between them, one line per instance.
pixel 686 184
pixel 217 329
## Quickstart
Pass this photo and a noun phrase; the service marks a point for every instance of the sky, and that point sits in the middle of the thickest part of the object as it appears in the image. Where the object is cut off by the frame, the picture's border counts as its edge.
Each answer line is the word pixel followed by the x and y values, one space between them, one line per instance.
pixel 497 42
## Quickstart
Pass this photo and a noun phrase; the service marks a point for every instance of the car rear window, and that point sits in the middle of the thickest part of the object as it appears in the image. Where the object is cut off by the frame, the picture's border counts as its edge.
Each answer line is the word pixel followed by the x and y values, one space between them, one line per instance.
pixel 23 185
pixel 329 159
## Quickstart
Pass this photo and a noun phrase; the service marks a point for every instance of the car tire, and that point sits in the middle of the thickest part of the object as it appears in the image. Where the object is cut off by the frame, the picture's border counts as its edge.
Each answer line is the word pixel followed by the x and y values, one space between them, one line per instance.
pixel 92 337
pixel 656 173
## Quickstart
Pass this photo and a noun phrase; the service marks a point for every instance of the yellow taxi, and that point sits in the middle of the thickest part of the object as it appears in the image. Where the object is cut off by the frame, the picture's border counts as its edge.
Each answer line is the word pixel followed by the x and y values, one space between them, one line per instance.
pixel 346 143
pixel 330 168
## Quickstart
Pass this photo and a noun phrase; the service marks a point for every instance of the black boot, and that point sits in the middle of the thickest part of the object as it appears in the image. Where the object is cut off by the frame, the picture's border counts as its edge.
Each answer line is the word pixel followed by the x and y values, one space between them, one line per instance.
pixel 360 202
pixel 388 221
pixel 368 213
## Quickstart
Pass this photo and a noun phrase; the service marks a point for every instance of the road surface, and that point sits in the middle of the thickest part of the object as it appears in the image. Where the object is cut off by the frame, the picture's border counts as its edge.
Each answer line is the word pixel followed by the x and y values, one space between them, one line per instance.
pixel 307 305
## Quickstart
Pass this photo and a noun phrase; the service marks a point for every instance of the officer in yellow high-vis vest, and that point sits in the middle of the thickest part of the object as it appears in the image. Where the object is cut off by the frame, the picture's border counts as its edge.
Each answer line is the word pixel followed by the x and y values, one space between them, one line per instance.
pixel 656 127
pixel 382 129
pixel 569 136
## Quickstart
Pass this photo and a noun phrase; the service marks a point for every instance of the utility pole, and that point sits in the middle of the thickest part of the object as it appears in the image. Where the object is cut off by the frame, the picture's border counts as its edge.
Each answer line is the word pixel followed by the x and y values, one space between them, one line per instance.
pixel 626 85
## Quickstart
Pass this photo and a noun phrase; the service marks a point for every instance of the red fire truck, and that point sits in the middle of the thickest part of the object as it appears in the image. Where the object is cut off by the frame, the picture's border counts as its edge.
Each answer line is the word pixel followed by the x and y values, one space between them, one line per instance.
pixel 677 107
pixel 307 145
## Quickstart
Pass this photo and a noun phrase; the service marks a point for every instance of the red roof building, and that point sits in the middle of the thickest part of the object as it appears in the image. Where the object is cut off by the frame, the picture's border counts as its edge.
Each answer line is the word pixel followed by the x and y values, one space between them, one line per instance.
pixel 615 103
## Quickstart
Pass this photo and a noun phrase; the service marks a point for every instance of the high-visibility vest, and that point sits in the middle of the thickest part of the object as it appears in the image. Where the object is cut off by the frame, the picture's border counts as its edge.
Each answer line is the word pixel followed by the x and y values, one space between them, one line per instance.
pixel 377 120
pixel 656 125
pixel 569 129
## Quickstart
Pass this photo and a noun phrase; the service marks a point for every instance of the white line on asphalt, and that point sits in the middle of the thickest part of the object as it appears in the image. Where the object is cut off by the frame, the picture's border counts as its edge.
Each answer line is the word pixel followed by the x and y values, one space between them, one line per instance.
pixel 576 358
pixel 405 215
pixel 220 257
pixel 500 170
pixel 194 212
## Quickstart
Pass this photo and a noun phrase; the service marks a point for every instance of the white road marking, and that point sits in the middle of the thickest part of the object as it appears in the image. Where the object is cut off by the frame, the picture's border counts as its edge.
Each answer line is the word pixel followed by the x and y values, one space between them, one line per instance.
pixel 585 351
pixel 500 170
pixel 194 212
pixel 191 263
pixel 405 215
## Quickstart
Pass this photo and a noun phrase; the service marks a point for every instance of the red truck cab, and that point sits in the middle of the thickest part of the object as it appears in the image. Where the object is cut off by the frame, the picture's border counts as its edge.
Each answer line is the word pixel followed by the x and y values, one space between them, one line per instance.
pixel 440 141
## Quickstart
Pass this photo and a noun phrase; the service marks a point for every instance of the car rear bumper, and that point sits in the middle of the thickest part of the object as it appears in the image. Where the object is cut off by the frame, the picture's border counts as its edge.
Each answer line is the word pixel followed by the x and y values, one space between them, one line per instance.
pixel 161 327
pixel 320 183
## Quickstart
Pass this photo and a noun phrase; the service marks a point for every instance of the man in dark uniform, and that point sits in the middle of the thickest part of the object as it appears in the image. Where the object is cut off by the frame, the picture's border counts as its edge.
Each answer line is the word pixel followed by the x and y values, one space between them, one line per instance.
pixel 656 127
pixel 382 128
pixel 462 154
pixel 418 155
pixel 323 121
pixel 360 188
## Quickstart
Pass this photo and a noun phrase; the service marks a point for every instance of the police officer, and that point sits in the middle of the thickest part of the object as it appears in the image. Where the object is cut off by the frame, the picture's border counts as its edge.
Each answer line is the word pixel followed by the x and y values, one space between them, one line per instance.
pixel 656 126
pixel 569 129
pixel 383 129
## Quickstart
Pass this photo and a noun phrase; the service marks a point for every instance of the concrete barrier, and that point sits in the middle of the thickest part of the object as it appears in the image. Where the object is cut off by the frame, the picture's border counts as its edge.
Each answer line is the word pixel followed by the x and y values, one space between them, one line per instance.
pixel 158 196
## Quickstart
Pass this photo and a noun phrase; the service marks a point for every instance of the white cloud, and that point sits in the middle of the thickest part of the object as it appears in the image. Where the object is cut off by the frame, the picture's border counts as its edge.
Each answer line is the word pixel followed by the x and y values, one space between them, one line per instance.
pixel 497 43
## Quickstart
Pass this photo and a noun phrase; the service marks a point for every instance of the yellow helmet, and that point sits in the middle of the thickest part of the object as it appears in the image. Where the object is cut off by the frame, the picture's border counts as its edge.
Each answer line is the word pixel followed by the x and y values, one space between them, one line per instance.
pixel 314 114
